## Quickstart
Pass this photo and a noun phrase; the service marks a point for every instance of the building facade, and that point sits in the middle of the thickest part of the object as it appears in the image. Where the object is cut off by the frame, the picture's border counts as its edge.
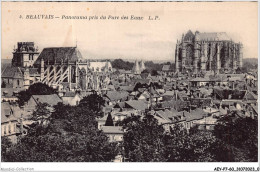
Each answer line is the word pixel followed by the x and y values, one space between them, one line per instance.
pixel 25 54
pixel 65 67
pixel 202 52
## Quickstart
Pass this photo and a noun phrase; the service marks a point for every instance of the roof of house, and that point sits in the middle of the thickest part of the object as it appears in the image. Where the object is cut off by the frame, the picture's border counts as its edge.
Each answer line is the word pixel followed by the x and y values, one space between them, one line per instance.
pixel 137 104
pixel 255 108
pixel 142 81
pixel 120 105
pixel 195 115
pixel 222 111
pixel 7 113
pixel 166 67
pixel 112 129
pixel 59 54
pixel 126 88
pixel 168 93
pixel 144 75
pixel 117 95
pixel 12 72
pixel 51 99
pixel 250 96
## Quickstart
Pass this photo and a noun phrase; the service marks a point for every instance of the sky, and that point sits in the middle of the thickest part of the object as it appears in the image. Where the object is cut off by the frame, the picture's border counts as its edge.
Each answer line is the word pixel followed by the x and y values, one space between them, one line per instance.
pixel 127 39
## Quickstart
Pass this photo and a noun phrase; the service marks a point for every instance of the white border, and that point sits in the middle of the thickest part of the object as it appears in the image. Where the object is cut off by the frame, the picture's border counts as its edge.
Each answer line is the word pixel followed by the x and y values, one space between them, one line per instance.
pixel 162 166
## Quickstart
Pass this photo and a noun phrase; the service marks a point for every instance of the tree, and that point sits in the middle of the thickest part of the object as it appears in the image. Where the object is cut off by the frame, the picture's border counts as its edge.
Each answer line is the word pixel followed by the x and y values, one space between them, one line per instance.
pixel 69 137
pixel 109 121
pixel 143 139
pixel 93 102
pixel 154 73
pixel 5 145
pixel 35 89
pixel 238 139
pixel 3 85
pixel 145 71
pixel 42 113
pixel 121 64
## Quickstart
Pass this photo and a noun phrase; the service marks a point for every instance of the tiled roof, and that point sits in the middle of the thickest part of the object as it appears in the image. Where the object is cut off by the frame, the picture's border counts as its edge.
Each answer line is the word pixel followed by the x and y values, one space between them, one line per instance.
pixel 195 115
pixel 12 72
pixel 220 36
pixel 166 67
pixel 137 104
pixel 7 113
pixel 59 54
pixel 255 108
pixel 52 99
pixel 112 129
pixel 142 81
pixel 126 88
pixel 168 93
pixel 117 95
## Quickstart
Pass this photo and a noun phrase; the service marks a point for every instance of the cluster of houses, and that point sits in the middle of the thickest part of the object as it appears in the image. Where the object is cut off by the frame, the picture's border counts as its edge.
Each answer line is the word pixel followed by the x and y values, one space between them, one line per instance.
pixel 171 97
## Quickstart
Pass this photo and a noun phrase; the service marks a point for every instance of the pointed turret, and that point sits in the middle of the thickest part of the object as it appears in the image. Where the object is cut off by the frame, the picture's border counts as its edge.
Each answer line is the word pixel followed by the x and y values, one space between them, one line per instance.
pixel 136 68
pixel 142 66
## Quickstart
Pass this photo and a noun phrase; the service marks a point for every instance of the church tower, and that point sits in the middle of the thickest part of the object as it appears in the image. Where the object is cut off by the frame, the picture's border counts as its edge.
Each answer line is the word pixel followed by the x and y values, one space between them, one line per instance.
pixel 26 76
pixel 25 54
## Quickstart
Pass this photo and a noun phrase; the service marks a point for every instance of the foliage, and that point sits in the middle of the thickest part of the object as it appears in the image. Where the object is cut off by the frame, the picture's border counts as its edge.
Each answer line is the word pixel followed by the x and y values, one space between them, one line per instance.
pixel 195 146
pixel 35 89
pixel 238 139
pixel 139 85
pixel 41 113
pixel 143 139
pixel 249 64
pixel 150 65
pixel 3 85
pixel 70 136
pixel 154 73
pixel 93 102
pixel 109 121
pixel 146 71
pixel 121 64
pixel 5 145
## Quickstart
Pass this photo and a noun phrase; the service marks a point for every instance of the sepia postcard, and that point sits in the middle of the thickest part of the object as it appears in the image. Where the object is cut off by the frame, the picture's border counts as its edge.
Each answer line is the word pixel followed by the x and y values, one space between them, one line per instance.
pixel 174 84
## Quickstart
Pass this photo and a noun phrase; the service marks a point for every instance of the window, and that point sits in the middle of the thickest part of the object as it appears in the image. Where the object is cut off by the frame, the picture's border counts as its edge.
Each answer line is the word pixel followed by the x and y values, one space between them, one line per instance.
pixel 18 82
pixel 93 69
pixel 9 129
pixel 14 128
pixel 77 103
pixel 97 69
pixel 4 130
